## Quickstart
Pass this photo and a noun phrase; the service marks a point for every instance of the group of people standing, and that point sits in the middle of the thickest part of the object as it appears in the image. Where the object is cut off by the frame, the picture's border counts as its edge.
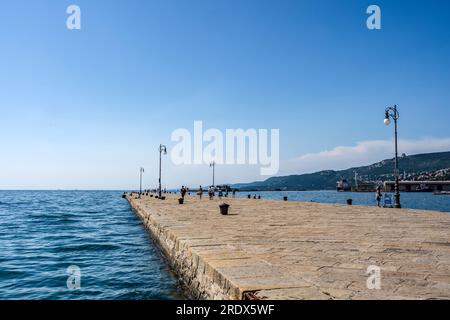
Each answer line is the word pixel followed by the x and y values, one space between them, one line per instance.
pixel 211 192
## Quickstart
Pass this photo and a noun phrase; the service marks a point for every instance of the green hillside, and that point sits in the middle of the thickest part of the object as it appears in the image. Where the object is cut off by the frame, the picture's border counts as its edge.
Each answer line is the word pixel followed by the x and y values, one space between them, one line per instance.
pixel 414 166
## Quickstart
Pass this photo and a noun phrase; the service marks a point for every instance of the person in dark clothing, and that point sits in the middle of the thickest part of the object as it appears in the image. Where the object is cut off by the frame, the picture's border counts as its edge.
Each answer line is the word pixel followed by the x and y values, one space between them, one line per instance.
pixel 183 191
pixel 378 196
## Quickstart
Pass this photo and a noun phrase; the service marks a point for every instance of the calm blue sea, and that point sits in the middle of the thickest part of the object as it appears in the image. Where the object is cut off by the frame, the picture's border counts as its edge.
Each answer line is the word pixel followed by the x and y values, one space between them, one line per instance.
pixel 42 233
pixel 424 201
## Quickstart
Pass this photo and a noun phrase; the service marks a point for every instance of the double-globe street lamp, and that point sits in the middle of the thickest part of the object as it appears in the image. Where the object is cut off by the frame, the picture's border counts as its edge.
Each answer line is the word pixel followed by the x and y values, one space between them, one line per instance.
pixel 391 112
pixel 213 165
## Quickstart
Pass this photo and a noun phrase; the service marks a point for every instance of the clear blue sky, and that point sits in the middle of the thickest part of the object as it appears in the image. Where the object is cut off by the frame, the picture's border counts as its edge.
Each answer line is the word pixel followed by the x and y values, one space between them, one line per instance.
pixel 84 109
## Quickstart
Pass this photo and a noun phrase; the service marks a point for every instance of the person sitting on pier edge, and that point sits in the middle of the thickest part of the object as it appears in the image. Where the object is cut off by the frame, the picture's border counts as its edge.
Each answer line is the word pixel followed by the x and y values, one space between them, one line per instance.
pixel 378 196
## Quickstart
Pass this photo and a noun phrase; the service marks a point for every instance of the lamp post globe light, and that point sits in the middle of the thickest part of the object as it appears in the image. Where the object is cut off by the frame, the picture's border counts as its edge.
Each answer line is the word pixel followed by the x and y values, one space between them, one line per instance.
pixel 213 165
pixel 391 112
pixel 141 171
pixel 162 149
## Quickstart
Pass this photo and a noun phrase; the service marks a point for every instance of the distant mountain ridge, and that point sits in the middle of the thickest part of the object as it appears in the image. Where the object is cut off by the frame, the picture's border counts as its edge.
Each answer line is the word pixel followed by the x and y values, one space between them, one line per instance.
pixel 416 167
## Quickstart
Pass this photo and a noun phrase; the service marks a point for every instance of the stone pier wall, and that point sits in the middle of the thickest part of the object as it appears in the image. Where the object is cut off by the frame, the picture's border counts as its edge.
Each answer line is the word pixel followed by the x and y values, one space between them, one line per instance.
pixel 199 279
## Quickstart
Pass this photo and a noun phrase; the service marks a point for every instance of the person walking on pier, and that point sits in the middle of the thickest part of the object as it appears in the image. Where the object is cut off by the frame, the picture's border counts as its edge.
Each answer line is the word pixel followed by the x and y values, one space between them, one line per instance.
pixel 200 192
pixel 183 191
pixel 211 193
pixel 378 196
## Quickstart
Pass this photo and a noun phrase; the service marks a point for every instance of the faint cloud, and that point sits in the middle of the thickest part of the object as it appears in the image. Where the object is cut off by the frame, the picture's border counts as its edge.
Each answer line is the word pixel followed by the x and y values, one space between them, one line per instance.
pixel 363 153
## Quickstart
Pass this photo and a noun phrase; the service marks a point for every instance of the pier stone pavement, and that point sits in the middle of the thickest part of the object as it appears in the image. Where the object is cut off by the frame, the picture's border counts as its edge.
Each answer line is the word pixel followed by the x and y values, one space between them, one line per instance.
pixel 303 250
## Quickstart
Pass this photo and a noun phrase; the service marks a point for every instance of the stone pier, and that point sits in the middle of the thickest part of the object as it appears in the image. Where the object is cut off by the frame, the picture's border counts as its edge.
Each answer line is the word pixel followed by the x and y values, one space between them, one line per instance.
pixel 296 250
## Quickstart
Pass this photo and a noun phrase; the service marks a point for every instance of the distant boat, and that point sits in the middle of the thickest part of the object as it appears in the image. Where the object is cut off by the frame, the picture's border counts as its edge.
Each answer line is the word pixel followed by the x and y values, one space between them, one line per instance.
pixel 342 185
